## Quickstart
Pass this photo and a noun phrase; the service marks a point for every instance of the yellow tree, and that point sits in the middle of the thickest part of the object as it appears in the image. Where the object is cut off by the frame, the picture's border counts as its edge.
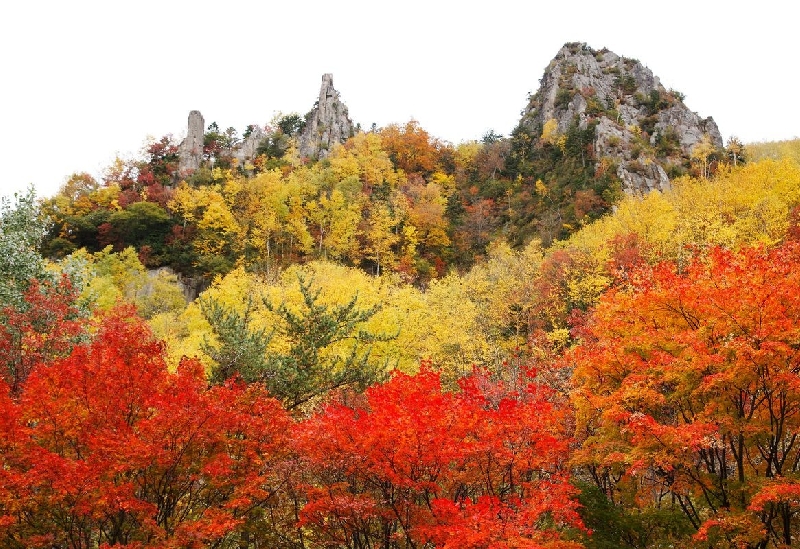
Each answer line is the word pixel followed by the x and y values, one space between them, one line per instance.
pixel 774 150
pixel 259 207
pixel 735 150
pixel 701 154
pixel 427 215
pixel 297 226
pixel 114 277
pixel 380 236
pixel 464 157
pixel 747 205
pixel 217 228
pixel 336 224
pixel 503 287
pixel 364 157
pixel 218 240
pixel 441 324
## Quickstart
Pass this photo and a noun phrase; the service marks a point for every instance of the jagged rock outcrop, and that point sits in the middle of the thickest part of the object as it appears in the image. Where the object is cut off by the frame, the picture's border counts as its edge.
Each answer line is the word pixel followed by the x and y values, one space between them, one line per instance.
pixel 249 146
pixel 642 130
pixel 326 124
pixel 190 151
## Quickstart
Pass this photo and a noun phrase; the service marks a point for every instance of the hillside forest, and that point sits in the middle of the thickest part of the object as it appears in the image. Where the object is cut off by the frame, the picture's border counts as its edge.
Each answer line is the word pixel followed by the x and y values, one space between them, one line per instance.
pixel 404 344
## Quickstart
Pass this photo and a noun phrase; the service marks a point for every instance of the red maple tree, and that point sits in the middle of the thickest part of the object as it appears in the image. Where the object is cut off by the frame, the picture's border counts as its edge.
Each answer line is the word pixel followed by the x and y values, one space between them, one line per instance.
pixel 42 329
pixel 106 447
pixel 411 464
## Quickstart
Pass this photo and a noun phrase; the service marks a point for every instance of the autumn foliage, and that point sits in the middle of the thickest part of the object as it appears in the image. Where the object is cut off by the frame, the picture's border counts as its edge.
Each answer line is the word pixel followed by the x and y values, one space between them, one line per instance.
pixel 106 447
pixel 42 329
pixel 688 394
pixel 665 337
pixel 411 465
pixel 411 148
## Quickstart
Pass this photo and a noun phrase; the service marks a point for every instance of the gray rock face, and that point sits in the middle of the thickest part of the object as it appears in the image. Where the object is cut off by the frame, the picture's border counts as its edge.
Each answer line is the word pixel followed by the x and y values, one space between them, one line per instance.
pixel 328 123
pixel 641 127
pixel 643 178
pixel 248 148
pixel 687 125
pixel 190 151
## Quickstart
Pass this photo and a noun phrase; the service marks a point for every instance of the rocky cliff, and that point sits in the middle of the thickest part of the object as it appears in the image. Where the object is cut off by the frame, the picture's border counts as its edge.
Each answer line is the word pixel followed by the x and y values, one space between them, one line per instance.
pixel 641 130
pixel 326 124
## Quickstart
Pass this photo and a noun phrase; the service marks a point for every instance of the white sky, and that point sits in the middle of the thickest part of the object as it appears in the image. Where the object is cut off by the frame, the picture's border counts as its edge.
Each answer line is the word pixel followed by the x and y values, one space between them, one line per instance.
pixel 82 81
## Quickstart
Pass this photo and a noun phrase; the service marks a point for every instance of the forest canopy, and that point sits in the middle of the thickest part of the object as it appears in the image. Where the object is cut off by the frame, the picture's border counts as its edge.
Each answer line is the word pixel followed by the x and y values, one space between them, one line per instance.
pixel 407 343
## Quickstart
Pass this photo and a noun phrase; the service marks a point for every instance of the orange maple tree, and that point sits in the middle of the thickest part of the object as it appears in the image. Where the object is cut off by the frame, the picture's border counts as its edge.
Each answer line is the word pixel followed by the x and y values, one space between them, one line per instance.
pixel 687 391
pixel 105 447
pixel 411 465
pixel 411 148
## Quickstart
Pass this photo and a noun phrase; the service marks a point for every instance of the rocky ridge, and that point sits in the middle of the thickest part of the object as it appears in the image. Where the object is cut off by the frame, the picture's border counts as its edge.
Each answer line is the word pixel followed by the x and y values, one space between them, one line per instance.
pixel 643 132
pixel 642 129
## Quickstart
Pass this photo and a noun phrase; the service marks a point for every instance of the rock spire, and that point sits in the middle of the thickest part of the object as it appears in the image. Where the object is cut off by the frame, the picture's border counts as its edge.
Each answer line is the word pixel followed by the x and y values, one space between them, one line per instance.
pixel 327 123
pixel 190 151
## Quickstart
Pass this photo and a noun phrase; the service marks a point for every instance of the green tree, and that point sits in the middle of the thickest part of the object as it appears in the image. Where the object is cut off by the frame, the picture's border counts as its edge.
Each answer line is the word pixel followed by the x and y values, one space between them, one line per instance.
pixel 241 348
pixel 21 232
pixel 291 124
pixel 312 363
pixel 144 225
pixel 306 371
pixel 39 315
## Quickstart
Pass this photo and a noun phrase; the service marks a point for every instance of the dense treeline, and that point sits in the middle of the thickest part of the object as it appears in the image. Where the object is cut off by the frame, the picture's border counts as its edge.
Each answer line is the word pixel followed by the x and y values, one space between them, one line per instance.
pixel 393 200
pixel 633 385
